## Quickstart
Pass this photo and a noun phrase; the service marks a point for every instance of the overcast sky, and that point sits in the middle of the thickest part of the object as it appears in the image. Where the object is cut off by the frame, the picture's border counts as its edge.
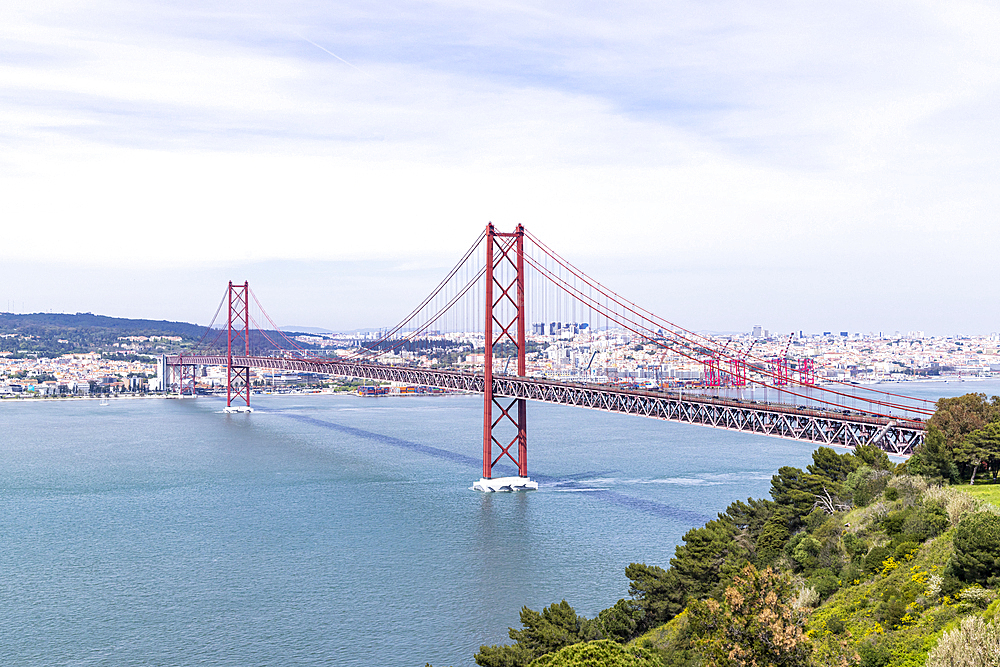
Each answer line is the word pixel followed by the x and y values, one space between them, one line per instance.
pixel 800 165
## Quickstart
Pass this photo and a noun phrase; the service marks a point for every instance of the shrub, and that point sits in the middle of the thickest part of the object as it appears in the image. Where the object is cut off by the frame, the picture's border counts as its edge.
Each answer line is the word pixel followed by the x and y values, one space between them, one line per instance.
pixel 974 643
pixel 956 503
pixel 601 652
pixel 815 519
pixel 926 521
pixel 808 597
pixel 853 572
pixel 891 610
pixel 825 582
pixel 865 484
pixel 934 584
pixel 874 654
pixel 875 558
pixel 892 524
pixel 977 549
pixel 904 549
pixel 908 487
pixel 854 545
pixel 753 624
pixel 805 551
pixel 976 595
pixel 891 494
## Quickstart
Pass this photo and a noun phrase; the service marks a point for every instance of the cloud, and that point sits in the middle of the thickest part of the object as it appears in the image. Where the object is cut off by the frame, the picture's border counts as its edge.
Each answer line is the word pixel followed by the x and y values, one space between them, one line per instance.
pixel 718 140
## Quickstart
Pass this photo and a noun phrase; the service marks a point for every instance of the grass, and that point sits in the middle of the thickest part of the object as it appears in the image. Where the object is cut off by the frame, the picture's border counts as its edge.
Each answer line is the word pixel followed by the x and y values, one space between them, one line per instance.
pixel 988 492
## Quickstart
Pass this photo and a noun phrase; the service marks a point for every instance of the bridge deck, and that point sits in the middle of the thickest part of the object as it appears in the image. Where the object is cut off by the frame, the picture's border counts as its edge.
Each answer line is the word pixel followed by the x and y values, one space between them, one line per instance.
pixel 898 436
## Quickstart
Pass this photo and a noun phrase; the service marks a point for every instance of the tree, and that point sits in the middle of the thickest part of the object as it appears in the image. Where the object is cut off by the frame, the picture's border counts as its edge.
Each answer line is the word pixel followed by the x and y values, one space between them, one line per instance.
pixel 874 457
pixel 933 458
pixel 655 591
pixel 772 540
pixel 754 624
pixel 795 492
pixel 620 621
pixel 969 455
pixel 750 516
pixel 865 484
pixel 555 627
pixel 709 555
pixel 835 467
pixel 957 417
pixel 977 549
pixel 980 446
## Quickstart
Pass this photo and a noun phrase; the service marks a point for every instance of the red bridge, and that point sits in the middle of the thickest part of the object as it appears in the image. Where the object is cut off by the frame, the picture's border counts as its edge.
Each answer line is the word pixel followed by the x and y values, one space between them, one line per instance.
pixel 488 291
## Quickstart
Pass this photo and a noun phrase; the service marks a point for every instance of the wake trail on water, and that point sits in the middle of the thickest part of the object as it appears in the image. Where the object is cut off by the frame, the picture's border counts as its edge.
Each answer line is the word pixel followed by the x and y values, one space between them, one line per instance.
pixel 564 483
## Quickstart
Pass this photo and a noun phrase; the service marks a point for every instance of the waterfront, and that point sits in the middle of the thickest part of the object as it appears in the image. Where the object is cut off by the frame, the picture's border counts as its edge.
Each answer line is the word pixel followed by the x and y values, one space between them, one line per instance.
pixel 333 530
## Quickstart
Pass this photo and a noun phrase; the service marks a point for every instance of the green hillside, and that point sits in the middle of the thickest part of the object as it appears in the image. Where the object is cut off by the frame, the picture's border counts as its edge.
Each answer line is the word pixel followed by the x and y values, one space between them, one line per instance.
pixel 853 561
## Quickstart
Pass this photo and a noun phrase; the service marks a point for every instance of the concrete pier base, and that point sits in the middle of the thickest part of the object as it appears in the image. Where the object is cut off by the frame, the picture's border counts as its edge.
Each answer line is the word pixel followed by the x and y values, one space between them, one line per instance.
pixel 505 484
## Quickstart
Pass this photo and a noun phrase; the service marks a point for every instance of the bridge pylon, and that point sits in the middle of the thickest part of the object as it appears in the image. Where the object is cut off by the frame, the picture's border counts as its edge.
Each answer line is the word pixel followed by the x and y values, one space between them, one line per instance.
pixel 505 334
pixel 186 380
pixel 238 341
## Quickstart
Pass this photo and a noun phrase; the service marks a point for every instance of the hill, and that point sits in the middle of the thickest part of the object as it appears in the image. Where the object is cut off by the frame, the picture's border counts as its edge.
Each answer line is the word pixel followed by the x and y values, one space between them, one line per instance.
pixel 853 561
pixel 54 334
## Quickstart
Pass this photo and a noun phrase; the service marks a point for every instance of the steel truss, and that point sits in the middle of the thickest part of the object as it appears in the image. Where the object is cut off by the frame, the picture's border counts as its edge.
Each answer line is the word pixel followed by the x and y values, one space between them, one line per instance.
pixel 822 427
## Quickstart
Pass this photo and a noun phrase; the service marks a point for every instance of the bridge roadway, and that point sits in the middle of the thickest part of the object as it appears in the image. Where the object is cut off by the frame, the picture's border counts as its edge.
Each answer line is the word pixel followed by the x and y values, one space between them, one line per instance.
pixel 896 436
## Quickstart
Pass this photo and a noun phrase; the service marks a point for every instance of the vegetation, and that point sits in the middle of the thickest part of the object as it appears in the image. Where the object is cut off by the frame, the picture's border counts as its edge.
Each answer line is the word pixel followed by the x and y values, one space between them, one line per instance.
pixel 755 621
pixel 853 561
pixel 988 492
pixel 974 643
pixel 602 652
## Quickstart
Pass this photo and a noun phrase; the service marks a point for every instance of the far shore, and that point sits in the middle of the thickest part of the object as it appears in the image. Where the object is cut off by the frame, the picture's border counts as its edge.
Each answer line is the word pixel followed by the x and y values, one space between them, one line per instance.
pixel 117 397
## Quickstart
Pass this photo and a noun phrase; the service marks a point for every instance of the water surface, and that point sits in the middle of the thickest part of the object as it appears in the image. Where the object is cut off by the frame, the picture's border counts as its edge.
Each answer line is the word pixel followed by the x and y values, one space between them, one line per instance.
pixel 332 530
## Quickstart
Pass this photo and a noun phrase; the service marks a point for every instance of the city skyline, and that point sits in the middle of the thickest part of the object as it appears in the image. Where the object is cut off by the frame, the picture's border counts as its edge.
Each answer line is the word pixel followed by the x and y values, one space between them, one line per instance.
pixel 812 168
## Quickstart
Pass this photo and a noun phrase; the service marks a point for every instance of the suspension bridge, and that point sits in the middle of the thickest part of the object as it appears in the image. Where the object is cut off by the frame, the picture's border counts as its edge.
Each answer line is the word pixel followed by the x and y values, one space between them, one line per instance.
pixel 506 280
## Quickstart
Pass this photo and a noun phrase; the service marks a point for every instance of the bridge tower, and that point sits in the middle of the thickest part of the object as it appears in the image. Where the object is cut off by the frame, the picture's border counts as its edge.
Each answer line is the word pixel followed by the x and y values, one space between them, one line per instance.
pixel 505 334
pixel 186 374
pixel 238 343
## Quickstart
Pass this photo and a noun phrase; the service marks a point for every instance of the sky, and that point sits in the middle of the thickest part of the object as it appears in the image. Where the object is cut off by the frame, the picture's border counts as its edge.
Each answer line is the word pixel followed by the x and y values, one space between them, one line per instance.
pixel 799 165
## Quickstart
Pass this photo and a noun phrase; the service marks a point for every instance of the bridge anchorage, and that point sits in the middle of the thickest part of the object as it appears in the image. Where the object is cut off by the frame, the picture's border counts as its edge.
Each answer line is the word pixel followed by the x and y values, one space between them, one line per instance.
pixel 498 272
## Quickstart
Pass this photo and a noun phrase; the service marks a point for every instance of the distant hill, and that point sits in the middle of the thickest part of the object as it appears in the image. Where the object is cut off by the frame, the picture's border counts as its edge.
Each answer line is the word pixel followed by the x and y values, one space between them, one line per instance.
pixel 307 330
pixel 18 323
pixel 54 334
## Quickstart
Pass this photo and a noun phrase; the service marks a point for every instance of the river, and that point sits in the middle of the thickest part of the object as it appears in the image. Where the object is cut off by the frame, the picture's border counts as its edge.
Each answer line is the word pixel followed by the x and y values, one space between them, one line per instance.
pixel 334 530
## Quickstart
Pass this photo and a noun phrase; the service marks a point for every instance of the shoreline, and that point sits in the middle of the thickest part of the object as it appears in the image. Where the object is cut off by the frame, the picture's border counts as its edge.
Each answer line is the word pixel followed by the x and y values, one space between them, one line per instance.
pixel 129 397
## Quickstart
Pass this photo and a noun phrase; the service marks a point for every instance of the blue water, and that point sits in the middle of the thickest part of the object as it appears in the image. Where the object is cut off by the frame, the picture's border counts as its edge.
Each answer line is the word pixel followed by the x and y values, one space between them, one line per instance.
pixel 331 530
